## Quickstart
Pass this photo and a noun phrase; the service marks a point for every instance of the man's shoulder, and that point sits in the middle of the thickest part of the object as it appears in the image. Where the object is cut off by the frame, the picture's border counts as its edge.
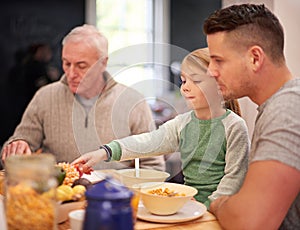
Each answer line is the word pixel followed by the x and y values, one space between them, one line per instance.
pixel 285 99
pixel 52 85
pixel 56 87
pixel 290 88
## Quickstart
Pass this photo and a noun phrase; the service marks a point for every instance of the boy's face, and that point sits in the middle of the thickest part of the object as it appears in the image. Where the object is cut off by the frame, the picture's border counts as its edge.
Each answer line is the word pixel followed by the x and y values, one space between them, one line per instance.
pixel 199 89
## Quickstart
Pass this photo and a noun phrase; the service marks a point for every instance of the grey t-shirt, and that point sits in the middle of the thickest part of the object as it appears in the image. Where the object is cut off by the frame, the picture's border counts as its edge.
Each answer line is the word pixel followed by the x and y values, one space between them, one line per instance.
pixel 277 137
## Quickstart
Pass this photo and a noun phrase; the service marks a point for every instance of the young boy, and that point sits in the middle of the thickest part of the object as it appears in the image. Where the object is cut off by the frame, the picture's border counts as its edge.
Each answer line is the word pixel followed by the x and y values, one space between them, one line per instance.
pixel 213 141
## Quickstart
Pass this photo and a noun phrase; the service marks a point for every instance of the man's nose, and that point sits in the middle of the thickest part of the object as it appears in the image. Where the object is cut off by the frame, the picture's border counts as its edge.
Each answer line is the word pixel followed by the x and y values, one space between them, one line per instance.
pixel 211 71
pixel 72 72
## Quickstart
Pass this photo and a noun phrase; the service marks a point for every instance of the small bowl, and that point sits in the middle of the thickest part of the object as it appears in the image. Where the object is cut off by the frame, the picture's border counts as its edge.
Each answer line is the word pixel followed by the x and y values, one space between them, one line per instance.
pixel 165 205
pixel 128 177
pixel 76 218
pixel 64 209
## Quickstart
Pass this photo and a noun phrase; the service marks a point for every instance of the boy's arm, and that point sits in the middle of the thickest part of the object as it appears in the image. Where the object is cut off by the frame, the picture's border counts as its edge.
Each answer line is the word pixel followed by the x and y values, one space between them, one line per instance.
pixel 237 154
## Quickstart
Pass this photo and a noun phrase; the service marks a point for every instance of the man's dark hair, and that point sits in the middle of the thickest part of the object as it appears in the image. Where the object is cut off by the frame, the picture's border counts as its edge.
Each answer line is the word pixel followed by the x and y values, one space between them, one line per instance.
pixel 250 25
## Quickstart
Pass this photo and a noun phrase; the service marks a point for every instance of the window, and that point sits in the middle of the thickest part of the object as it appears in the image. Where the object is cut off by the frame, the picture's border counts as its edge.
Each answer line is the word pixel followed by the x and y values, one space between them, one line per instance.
pixel 133 31
pixel 125 22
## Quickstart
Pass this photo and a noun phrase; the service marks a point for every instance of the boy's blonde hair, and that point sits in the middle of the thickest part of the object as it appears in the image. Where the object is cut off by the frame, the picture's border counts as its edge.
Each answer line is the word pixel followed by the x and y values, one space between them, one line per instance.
pixel 202 58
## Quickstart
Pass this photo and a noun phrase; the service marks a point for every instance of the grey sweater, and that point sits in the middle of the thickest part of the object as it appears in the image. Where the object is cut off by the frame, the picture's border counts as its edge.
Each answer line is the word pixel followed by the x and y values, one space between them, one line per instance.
pixel 56 122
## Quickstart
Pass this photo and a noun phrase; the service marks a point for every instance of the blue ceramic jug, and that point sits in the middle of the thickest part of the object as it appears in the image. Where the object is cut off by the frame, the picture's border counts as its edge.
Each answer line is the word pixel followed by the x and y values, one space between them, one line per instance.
pixel 108 207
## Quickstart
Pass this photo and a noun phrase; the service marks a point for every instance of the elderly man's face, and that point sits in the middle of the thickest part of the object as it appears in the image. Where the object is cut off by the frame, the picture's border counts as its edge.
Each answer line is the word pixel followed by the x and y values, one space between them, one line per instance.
pixel 78 58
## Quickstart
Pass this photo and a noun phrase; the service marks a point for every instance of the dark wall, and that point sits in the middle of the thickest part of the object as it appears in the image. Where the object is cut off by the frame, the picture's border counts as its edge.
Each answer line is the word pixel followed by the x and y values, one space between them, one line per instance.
pixel 187 18
pixel 23 23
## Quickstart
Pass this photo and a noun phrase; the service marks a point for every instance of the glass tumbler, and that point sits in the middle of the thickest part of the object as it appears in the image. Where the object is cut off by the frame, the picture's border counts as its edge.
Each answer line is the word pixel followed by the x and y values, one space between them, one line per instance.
pixel 29 199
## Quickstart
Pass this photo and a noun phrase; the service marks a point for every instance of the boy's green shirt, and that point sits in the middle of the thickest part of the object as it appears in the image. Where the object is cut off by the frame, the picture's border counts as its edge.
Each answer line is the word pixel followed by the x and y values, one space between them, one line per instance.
pixel 214 153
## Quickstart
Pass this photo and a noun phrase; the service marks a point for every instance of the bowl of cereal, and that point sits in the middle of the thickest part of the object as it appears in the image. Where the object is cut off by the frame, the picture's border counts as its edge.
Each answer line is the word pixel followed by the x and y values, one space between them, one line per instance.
pixel 164 198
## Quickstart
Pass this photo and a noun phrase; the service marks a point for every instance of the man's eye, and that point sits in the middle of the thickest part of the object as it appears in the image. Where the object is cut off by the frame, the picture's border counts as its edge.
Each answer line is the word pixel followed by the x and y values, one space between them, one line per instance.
pixel 66 64
pixel 182 82
pixel 82 66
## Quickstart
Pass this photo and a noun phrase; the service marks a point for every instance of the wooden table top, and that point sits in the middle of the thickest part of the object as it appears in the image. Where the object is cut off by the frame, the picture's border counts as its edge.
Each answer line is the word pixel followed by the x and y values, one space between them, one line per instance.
pixel 207 222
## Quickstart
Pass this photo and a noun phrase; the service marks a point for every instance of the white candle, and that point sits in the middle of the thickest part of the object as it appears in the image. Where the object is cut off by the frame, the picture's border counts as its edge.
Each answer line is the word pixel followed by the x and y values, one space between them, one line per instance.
pixel 137 167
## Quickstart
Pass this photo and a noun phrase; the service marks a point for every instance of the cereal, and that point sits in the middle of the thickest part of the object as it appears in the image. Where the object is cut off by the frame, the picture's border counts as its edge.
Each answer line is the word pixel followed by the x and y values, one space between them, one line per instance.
pixel 2 185
pixel 28 210
pixel 165 192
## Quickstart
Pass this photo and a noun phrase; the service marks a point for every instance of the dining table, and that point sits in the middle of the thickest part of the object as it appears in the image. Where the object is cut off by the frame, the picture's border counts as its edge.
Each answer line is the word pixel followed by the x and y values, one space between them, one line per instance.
pixel 206 222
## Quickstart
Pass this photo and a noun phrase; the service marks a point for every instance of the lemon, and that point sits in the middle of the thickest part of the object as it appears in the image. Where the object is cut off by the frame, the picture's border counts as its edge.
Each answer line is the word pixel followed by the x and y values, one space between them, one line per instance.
pixel 64 192
pixel 50 194
pixel 79 189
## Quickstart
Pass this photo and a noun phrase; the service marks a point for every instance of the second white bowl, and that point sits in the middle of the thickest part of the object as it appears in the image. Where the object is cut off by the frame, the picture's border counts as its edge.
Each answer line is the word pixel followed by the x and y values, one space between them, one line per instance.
pixel 128 177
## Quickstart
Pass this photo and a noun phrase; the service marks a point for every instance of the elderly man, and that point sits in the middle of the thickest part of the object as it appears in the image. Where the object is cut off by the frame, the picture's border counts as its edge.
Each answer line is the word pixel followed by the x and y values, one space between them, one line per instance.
pixel 84 110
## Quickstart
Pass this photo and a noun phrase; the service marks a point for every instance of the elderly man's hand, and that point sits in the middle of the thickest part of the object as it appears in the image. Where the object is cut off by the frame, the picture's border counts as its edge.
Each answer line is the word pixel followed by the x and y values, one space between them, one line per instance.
pixel 17 147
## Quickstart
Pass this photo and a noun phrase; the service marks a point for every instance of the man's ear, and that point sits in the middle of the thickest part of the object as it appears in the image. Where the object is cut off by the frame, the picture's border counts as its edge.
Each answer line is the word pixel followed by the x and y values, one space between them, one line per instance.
pixel 256 57
pixel 104 63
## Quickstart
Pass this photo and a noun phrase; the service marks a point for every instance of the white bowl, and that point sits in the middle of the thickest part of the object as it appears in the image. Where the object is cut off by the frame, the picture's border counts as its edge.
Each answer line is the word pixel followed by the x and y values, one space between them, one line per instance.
pixel 76 218
pixel 128 177
pixel 64 209
pixel 165 205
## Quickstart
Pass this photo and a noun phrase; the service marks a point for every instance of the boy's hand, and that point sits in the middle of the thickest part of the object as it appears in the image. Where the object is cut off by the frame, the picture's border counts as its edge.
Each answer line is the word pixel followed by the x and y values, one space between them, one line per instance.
pixel 88 160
